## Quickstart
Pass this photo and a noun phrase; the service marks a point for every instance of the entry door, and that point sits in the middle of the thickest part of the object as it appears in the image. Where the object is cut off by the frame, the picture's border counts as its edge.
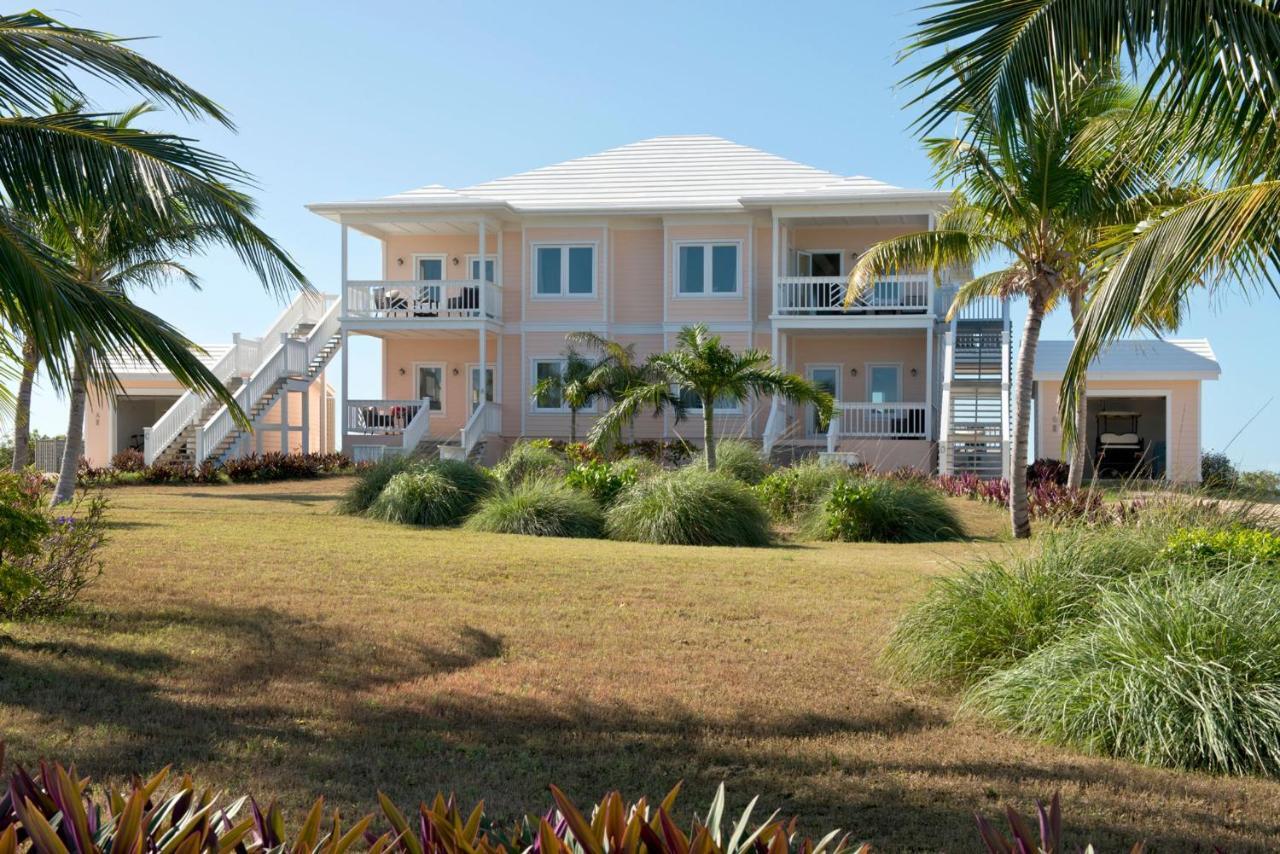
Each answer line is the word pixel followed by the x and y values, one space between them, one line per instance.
pixel 827 378
pixel 474 392
pixel 430 268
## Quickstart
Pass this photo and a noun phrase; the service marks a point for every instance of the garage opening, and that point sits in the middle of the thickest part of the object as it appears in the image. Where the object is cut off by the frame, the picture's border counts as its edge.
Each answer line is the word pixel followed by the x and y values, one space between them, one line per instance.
pixel 1127 437
pixel 135 413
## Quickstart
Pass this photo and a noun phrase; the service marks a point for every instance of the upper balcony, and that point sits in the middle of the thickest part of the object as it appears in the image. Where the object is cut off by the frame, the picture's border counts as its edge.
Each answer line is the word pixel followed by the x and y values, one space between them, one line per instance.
pixel 824 297
pixel 430 302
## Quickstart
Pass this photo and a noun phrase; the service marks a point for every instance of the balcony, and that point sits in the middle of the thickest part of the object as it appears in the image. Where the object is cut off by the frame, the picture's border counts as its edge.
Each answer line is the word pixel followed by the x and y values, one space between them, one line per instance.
pixel 448 300
pixel 880 421
pixel 824 296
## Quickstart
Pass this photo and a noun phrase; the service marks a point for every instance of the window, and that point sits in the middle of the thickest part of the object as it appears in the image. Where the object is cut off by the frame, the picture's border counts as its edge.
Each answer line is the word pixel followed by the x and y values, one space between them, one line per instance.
pixel 884 383
pixel 475 386
pixel 692 402
pixel 707 268
pixel 431 384
pixel 473 264
pixel 430 268
pixel 545 369
pixel 565 271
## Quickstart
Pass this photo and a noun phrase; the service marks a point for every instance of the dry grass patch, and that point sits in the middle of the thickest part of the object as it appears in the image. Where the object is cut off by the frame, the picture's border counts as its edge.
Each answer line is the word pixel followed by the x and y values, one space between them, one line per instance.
pixel 252 637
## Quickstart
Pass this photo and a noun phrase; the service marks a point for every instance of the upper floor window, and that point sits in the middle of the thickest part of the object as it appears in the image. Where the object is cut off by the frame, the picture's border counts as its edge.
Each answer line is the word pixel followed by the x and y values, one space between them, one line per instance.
pixel 473 265
pixel 564 271
pixel 707 268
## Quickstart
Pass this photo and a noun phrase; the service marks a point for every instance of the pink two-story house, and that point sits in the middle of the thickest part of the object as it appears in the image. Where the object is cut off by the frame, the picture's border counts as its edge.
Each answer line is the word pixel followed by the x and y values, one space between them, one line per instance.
pixel 480 285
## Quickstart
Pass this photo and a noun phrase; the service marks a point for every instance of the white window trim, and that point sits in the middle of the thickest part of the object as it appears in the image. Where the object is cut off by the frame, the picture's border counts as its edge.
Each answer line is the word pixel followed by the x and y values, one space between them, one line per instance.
pixel 442 257
pixel 444 383
pixel 707 267
pixel 492 366
pixel 497 269
pixel 839 253
pixel 838 367
pixel 564 247
pixel 696 412
pixel 869 365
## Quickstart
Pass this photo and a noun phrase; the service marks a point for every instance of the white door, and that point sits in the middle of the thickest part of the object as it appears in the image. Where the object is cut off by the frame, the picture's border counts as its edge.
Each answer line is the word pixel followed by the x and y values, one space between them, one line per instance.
pixel 429 268
pixel 473 393
pixel 827 378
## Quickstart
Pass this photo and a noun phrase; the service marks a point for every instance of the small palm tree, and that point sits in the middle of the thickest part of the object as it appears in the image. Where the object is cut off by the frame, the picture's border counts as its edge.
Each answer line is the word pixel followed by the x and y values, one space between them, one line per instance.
pixel 703 366
pixel 1038 195
pixel 577 386
pixel 620 371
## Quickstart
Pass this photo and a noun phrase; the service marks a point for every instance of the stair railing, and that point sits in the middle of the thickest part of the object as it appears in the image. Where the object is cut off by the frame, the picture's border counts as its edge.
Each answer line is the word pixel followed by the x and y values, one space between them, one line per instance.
pixel 416 430
pixel 773 426
pixel 185 409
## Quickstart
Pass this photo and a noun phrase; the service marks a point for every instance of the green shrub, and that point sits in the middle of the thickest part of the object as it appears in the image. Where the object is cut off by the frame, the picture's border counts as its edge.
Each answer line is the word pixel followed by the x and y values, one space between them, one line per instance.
pixel 527 459
pixel 1172 669
pixel 1228 545
pixel 370 481
pixel 1262 484
pixel 690 507
pixel 539 508
pixel 599 480
pixel 739 460
pixel 438 493
pixel 789 493
pixel 632 469
pixel 1217 471
pixel 874 509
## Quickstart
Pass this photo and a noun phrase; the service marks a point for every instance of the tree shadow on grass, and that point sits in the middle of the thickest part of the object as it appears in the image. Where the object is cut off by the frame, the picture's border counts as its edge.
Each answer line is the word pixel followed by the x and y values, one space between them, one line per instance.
pixel 267 703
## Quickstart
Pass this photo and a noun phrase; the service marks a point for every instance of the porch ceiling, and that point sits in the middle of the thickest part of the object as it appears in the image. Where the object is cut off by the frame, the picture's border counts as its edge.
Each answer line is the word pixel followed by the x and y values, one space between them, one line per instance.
pixel 864 221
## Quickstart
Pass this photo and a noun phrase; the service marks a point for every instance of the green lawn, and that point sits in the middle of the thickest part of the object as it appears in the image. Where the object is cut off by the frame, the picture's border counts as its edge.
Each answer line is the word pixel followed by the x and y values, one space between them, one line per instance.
pixel 249 636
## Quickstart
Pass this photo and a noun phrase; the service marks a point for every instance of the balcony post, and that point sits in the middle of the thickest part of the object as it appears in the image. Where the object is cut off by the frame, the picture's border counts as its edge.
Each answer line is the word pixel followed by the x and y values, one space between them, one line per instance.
pixel 284 419
pixel 306 419
pixel 480 288
pixel 774 267
pixel 928 385
pixel 342 316
pixel 931 277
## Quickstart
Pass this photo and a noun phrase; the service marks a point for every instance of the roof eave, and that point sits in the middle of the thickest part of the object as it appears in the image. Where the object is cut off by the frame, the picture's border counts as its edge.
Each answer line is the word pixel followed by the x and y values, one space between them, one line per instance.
pixel 932 197
pixel 1132 376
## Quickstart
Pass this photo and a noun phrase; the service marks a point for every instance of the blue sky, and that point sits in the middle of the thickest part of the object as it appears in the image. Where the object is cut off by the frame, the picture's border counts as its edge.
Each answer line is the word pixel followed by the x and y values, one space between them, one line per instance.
pixel 336 100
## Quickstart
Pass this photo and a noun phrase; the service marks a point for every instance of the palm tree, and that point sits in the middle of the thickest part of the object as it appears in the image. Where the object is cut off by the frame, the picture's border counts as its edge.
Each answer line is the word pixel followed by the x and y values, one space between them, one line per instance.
pixel 1212 79
pixel 1037 196
pixel 577 385
pixel 67 158
pixel 703 367
pixel 620 371
pixel 114 248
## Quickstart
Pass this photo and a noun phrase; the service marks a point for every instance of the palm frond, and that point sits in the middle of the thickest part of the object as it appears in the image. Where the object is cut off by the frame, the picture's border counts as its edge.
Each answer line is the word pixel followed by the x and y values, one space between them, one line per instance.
pixel 937 250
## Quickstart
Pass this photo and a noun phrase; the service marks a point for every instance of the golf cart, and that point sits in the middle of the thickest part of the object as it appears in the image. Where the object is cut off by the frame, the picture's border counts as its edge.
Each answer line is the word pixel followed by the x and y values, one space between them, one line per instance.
pixel 1119 451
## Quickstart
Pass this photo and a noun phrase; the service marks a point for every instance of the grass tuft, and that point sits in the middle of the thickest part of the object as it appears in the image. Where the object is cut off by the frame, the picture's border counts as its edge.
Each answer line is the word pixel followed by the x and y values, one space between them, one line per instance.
pixel 880 510
pixel 690 507
pixel 438 493
pixel 739 460
pixel 370 482
pixel 530 459
pixel 539 508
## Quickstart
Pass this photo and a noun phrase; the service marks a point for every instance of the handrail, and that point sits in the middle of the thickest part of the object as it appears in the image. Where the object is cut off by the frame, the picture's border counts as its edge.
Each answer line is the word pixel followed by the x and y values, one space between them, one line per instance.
pixel 416 430
pixel 188 406
pixel 772 426
pixel 485 420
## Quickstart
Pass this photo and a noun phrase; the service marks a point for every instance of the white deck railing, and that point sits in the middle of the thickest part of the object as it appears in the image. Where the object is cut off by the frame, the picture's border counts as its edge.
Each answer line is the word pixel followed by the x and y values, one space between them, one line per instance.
pixel 981 308
pixel 825 295
pixel 383 417
pixel 465 299
pixel 880 420
pixel 185 409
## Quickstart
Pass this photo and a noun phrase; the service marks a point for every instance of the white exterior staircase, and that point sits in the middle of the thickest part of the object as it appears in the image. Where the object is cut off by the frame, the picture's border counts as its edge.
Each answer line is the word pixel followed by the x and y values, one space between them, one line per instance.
pixel 291 355
pixel 974 434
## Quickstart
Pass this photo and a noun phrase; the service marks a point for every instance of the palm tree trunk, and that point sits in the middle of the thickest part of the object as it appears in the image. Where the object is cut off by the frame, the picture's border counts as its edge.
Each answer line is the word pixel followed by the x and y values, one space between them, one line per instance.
pixel 1019 509
pixel 22 417
pixel 66 488
pixel 709 434
pixel 573 426
pixel 1079 447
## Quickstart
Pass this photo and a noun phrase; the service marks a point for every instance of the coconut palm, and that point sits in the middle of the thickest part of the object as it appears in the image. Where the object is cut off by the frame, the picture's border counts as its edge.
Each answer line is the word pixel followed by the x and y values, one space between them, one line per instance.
pixel 577 385
pixel 1214 80
pixel 114 249
pixel 67 158
pixel 703 367
pixel 1037 198
pixel 620 371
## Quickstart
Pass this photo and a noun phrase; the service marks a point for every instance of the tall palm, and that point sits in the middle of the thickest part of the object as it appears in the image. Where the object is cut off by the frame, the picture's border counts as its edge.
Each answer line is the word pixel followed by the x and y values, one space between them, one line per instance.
pixel 703 366
pixel 113 249
pixel 620 371
pixel 1211 71
pixel 64 159
pixel 1034 195
pixel 577 385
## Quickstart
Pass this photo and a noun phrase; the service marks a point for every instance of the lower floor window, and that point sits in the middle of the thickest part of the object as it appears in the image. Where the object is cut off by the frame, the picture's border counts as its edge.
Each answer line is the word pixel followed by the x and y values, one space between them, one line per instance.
pixel 690 400
pixel 543 370
pixel 431 384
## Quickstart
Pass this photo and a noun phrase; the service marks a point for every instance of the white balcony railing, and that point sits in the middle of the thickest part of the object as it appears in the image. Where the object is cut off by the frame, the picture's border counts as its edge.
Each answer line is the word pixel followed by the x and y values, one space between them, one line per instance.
pixel 824 296
pixel 466 299
pixel 383 417
pixel 880 420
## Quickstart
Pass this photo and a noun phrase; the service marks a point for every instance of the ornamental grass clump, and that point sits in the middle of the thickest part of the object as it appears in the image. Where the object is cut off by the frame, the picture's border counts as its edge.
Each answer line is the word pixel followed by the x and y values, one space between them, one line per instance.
pixel 443 492
pixel 539 508
pixel 1178 670
pixel 370 481
pixel 882 510
pixel 790 493
pixel 530 459
pixel 740 460
pixel 689 507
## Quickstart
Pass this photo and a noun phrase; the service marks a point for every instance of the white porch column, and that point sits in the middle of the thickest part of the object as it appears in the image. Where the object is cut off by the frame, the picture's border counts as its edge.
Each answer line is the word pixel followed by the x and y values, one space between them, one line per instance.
pixel 484 363
pixel 306 419
pixel 928 385
pixel 484 334
pixel 284 419
pixel 341 439
pixel 775 266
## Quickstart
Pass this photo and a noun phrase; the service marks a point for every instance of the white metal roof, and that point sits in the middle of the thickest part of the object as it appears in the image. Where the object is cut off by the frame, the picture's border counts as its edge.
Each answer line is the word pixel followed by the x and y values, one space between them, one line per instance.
pixel 127 365
pixel 660 174
pixel 1135 359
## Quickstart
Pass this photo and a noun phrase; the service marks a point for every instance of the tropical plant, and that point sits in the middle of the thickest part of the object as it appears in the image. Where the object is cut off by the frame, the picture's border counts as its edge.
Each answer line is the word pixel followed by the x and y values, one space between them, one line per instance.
pixel 1232 546
pixel 64 160
pixel 370 481
pixel 1217 471
pixel 689 507
pixel 1036 194
pixel 539 508
pixel 527 459
pixel 883 510
pixel 789 493
pixel 1210 80
pixel 620 372
pixel 438 493
pixel 601 480
pixel 577 386
pixel 712 374
pixel 740 460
